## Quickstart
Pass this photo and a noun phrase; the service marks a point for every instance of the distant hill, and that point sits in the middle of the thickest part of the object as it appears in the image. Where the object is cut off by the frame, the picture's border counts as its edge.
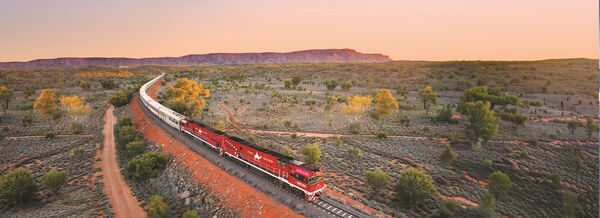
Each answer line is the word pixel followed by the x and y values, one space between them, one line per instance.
pixel 306 56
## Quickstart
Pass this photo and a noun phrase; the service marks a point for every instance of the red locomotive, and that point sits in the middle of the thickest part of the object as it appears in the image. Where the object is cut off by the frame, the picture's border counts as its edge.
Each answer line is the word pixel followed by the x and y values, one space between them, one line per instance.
pixel 297 174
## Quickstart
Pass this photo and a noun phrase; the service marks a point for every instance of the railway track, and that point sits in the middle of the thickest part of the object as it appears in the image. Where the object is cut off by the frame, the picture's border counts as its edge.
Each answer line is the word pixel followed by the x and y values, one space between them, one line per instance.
pixel 327 206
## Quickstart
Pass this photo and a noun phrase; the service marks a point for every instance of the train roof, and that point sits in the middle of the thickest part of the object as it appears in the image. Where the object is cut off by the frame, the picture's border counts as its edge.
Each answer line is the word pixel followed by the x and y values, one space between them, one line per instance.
pixel 207 127
pixel 264 150
pixel 305 166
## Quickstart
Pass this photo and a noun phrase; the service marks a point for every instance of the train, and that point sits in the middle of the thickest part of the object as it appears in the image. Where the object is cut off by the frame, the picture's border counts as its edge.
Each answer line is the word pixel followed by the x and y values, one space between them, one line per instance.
pixel 302 177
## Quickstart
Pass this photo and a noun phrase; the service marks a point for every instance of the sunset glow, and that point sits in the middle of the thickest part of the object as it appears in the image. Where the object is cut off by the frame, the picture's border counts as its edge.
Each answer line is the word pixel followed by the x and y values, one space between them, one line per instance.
pixel 404 30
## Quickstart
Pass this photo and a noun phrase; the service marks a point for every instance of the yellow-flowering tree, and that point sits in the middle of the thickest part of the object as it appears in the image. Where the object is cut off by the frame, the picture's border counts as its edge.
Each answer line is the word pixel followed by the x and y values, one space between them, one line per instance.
pixel 76 107
pixel 356 107
pixel 6 96
pixel 385 103
pixel 187 93
pixel 428 97
pixel 46 104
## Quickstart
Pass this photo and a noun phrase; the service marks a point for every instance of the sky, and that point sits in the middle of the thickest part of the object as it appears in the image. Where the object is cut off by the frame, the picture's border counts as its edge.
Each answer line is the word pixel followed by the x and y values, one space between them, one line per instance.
pixel 404 30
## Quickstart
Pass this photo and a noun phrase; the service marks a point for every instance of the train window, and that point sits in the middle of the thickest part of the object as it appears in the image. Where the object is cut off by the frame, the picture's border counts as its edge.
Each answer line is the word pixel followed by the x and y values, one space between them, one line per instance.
pixel 281 163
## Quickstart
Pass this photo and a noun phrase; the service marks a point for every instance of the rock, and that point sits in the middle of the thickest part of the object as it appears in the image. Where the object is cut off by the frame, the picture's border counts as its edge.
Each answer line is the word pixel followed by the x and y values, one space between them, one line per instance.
pixel 185 194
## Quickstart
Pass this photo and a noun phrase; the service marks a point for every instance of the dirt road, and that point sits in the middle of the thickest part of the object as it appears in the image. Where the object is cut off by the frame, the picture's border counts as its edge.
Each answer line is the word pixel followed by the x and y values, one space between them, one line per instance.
pixel 119 193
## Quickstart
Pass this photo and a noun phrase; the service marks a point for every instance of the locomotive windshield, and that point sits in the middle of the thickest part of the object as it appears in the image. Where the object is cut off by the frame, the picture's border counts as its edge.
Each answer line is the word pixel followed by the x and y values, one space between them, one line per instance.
pixel 315 179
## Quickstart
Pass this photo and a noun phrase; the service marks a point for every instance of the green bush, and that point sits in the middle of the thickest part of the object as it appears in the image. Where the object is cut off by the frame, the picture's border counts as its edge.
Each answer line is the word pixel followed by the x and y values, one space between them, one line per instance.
pixel 447 155
pixel 346 85
pixel 448 208
pixel 310 101
pixel 556 180
pixel 499 184
pixel 190 214
pixel 487 163
pixel 147 166
pixel 85 85
pixel 445 115
pixel 108 84
pixel 570 207
pixel 17 186
pixel 294 135
pixel 355 153
pixel 76 152
pixel 287 123
pixel 125 121
pixel 533 141
pixel 158 207
pixel 312 153
pixel 287 151
pixel 577 159
pixel 524 153
pixel 330 84
pixel 405 106
pixel 55 180
pixel 414 187
pixel 126 134
pixel 382 134
pixel 49 134
pixel 121 98
pixel 508 149
pixel 376 180
pixel 26 106
pixel 135 147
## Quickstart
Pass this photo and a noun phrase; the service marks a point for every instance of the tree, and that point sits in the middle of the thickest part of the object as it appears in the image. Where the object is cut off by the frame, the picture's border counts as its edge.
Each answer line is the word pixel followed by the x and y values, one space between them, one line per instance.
pixel 108 84
pixel 287 83
pixel 346 85
pixel 591 128
pixel 312 153
pixel 190 214
pixel 414 187
pixel 481 122
pixel 121 98
pixel 331 84
pixel 480 93
pixel 385 103
pixel 134 148
pixel 55 180
pixel 287 151
pixel 402 91
pixel 577 159
pixel 28 91
pixel 356 106
pixel 499 184
pixel 376 180
pixel 556 180
pixel 569 204
pixel 76 107
pixel 6 95
pixel 515 118
pixel 126 134
pixel 296 80
pixel 46 104
pixel 147 166
pixel 573 125
pixel 188 93
pixel 447 155
pixel 17 186
pixel 158 207
pixel 445 115
pixel 487 201
pixel 428 96
pixel 125 121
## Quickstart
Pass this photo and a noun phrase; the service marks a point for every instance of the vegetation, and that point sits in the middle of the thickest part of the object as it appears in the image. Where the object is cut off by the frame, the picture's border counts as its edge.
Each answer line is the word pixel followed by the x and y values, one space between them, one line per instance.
pixel 190 214
pixel 158 207
pixel 591 128
pixel 570 207
pixel 330 84
pixel 121 98
pixel 445 115
pixel 414 187
pixel 448 208
pixel 85 85
pixel 556 180
pixel 499 184
pixel 135 148
pixel 6 96
pixel 312 153
pixel 481 121
pixel 76 107
pixel 376 180
pixel 577 159
pixel 126 134
pixel 296 80
pixel 487 163
pixel 382 134
pixel 447 155
pixel 355 153
pixel 480 93
pixel 46 104
pixel 17 186
pixel 385 103
pixel 55 180
pixel 147 166
pixel 108 84
pixel 346 85
pixel 186 97
pixel 428 97
pixel 515 118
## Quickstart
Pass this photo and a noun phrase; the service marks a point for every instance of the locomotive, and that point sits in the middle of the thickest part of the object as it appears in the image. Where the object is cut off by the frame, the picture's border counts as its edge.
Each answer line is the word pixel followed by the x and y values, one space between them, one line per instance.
pixel 300 176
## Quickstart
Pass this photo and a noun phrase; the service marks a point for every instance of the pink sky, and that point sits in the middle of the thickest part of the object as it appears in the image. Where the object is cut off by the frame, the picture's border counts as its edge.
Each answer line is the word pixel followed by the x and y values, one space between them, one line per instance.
pixel 404 30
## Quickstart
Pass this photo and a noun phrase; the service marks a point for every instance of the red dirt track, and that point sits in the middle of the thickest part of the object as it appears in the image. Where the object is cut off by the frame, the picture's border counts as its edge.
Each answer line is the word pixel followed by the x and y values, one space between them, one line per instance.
pixel 123 202
pixel 236 194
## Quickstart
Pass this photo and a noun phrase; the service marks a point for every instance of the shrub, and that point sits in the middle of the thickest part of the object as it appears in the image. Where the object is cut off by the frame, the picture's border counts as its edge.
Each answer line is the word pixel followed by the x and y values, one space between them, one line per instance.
pixel 287 123
pixel 445 115
pixel 312 153
pixel 55 180
pixel 499 184
pixel 405 106
pixel 287 83
pixel 287 151
pixel 120 98
pixel 134 148
pixel 126 134
pixel 376 180
pixel 310 101
pixel 487 163
pixel 296 80
pixel 125 121
pixel 85 85
pixel 355 153
pixel 508 149
pixel 26 106
pixel 533 141
pixel 448 208
pixel 17 186
pixel 331 84
pixel 524 153
pixel 76 152
pixel 147 166
pixel 556 180
pixel 382 134
pixel 569 204
pixel 49 134
pixel 190 214
pixel 338 141
pixel 414 187
pixel 487 201
pixel 355 127
pixel 346 85
pixel 108 84
pixel 221 125
pixel 294 135
pixel 158 207
pixel 447 155
pixel 577 159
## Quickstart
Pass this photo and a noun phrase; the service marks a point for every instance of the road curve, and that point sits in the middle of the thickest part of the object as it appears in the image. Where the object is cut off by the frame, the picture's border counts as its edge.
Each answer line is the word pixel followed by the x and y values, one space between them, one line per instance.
pixel 119 194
